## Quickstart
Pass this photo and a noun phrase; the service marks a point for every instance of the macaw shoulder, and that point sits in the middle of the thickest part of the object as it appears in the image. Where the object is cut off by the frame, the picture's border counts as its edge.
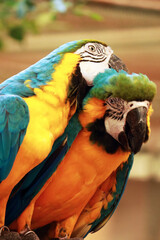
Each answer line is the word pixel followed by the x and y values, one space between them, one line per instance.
pixel 55 90
pixel 49 110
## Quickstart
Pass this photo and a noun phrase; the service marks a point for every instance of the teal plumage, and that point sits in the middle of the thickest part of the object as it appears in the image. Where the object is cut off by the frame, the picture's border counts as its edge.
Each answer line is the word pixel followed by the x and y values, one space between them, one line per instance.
pixel 14 118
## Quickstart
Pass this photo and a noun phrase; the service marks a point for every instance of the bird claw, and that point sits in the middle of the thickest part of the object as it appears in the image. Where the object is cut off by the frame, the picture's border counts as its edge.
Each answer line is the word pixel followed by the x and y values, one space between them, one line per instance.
pixel 4 230
pixel 30 235
pixel 75 238
pixel 6 234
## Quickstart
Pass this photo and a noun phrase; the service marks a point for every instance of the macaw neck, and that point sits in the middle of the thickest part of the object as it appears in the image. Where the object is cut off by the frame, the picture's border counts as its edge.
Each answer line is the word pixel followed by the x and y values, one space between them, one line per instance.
pixel 56 90
pixel 92 119
pixel 100 137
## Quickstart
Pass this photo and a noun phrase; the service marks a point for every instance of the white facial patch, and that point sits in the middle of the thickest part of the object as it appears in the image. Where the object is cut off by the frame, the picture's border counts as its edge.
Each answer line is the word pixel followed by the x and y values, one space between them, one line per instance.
pixel 89 70
pixel 117 110
pixel 94 59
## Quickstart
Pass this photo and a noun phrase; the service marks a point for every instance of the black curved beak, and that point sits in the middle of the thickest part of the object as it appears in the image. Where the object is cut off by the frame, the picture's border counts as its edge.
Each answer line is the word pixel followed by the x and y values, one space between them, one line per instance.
pixel 135 131
pixel 117 63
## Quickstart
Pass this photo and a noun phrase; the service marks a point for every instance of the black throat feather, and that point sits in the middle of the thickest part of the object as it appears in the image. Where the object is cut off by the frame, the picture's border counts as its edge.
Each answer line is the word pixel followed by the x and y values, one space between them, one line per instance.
pixel 78 89
pixel 100 137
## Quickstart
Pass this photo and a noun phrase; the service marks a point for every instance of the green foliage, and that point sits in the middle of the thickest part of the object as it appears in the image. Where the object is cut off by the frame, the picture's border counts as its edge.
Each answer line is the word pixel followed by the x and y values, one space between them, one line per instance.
pixel 18 17
pixel 17 32
pixel 1 43
pixel 15 20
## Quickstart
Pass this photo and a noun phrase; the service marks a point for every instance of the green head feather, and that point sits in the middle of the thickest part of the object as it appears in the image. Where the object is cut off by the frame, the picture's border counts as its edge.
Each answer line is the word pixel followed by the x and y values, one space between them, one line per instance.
pixel 129 87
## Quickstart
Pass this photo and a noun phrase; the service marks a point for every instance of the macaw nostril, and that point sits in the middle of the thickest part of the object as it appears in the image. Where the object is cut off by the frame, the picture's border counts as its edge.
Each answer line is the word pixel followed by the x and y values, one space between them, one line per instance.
pixel 137 116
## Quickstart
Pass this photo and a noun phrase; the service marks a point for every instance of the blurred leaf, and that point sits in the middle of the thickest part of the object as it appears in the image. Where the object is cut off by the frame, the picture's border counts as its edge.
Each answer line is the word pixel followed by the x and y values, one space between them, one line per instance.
pixel 30 4
pixel 1 44
pixel 44 18
pixel 69 4
pixel 9 3
pixel 17 17
pixel 95 16
pixel 1 25
pixel 54 17
pixel 30 25
pixel 17 32
pixel 78 10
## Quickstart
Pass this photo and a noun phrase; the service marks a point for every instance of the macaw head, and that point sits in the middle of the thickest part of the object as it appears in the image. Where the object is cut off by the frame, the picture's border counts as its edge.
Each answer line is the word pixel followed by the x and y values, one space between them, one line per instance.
pixel 95 57
pixel 117 110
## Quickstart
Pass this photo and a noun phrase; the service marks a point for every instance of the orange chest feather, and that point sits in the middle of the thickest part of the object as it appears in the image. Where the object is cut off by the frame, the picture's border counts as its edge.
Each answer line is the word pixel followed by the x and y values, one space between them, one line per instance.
pixel 90 161
pixel 83 169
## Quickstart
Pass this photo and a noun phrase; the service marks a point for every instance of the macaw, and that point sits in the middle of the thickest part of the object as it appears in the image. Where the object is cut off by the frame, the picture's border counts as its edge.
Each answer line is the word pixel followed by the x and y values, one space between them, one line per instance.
pixel 36 106
pixel 83 192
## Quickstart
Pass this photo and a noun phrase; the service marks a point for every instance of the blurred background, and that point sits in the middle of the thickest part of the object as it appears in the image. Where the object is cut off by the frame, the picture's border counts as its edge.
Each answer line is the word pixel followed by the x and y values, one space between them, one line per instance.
pixel 30 29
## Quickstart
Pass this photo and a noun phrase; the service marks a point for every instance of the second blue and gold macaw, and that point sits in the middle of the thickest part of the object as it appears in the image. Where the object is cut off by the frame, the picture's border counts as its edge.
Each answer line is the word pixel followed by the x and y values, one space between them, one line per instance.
pixel 36 106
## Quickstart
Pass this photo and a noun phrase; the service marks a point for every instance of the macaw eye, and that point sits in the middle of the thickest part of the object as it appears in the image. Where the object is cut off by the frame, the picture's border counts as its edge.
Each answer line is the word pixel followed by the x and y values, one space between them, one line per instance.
pixel 115 103
pixel 92 48
pixel 111 101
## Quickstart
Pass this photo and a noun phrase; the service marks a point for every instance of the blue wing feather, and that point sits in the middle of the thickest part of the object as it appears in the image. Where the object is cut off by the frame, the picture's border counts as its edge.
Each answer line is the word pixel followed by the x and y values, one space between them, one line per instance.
pixel 14 120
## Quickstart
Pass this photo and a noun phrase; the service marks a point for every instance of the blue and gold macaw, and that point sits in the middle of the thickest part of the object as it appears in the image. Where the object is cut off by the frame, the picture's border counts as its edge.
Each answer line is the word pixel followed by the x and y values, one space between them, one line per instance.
pixel 87 185
pixel 37 105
